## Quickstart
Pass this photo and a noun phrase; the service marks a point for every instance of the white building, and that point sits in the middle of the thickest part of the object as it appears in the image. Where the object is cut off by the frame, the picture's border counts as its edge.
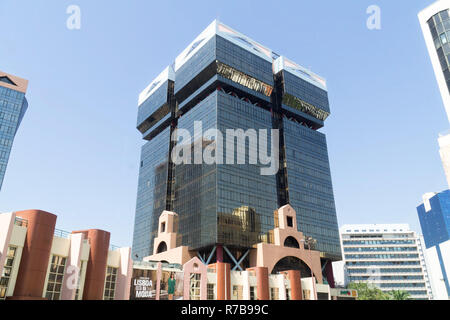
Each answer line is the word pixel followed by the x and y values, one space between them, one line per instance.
pixel 444 151
pixel 435 23
pixel 389 256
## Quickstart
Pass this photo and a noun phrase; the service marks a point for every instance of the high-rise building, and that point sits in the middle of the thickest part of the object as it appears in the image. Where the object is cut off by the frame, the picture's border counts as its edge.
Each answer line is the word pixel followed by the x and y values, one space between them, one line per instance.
pixel 225 80
pixel 434 216
pixel 435 23
pixel 434 212
pixel 389 256
pixel 13 106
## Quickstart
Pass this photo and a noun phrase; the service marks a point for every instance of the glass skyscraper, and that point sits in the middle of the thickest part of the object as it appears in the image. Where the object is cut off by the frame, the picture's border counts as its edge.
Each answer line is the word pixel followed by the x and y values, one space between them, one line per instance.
pixel 13 106
pixel 434 212
pixel 226 80
pixel 434 216
pixel 435 24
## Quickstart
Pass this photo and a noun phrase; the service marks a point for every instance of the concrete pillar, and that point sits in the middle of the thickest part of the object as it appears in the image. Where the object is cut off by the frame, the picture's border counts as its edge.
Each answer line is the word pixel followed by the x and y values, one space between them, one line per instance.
pixel 35 255
pixel 296 284
pixel 96 269
pixel 124 275
pixel 72 267
pixel 262 283
pixel 223 281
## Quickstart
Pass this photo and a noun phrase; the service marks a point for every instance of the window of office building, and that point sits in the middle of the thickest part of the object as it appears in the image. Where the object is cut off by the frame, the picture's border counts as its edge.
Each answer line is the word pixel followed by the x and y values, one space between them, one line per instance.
pixel 55 278
pixel 110 283
pixel 4 280
pixel 211 289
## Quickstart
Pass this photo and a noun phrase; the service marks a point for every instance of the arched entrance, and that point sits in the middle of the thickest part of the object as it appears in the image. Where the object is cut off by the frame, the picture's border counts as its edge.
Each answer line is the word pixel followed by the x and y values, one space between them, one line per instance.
pixel 292 263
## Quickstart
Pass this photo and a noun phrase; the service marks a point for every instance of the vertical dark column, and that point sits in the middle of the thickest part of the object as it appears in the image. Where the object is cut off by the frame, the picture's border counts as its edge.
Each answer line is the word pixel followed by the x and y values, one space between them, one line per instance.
pixel 94 282
pixel 171 166
pixel 35 255
pixel 329 273
pixel 219 253
pixel 277 123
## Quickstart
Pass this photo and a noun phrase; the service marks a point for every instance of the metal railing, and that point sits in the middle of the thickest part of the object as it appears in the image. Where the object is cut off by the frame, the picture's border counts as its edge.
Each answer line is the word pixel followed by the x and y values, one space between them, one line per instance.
pixel 61 233
pixel 21 222
pixel 113 247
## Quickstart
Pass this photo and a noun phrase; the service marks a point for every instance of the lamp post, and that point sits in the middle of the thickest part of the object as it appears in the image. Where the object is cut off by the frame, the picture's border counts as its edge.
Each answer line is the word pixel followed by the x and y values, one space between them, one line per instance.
pixel 310 241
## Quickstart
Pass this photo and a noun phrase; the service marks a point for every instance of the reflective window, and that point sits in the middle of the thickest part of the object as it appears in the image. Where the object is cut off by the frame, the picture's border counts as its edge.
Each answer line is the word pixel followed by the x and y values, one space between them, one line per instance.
pixel 7 271
pixel 55 278
pixel 443 38
pixel 13 106
pixel 110 283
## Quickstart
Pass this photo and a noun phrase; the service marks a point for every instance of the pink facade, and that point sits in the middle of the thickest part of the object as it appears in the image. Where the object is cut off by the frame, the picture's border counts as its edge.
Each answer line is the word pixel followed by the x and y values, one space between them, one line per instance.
pixel 195 266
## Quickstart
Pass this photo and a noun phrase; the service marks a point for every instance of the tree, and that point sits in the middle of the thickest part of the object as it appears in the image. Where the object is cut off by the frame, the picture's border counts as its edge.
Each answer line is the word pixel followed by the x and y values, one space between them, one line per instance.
pixel 367 291
pixel 400 295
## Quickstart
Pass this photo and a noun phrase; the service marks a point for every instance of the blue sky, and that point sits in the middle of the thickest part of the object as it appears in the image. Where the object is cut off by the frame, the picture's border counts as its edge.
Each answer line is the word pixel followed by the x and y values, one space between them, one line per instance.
pixel 77 151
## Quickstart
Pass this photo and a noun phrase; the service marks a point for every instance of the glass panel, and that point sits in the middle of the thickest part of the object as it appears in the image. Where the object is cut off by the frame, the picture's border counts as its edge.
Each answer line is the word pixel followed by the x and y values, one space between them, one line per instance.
pixel 443 38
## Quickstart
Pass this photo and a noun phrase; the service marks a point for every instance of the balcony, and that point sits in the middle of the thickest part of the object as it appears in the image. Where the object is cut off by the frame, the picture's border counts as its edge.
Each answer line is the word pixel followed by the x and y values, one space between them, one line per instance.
pixel 21 222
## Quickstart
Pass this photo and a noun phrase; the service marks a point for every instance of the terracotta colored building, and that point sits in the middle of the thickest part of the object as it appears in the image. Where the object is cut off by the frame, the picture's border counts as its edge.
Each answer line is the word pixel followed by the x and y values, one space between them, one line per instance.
pixel 40 262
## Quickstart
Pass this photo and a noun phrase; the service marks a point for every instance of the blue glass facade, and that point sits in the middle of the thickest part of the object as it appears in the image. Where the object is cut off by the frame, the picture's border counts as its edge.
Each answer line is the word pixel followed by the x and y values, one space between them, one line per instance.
pixel 155 102
pixel 306 91
pixel 242 190
pixel 13 106
pixel 195 184
pixel 151 195
pixel 310 187
pixel 435 223
pixel 227 81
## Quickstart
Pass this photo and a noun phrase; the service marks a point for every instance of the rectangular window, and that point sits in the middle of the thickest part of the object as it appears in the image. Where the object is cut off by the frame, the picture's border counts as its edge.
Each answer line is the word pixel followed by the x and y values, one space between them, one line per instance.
pixel 110 283
pixel 306 294
pixel 237 293
pixel 274 294
pixel 444 40
pixel 7 270
pixel 252 293
pixel 211 289
pixel 288 294
pixel 194 288
pixel 290 222
pixel 55 278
